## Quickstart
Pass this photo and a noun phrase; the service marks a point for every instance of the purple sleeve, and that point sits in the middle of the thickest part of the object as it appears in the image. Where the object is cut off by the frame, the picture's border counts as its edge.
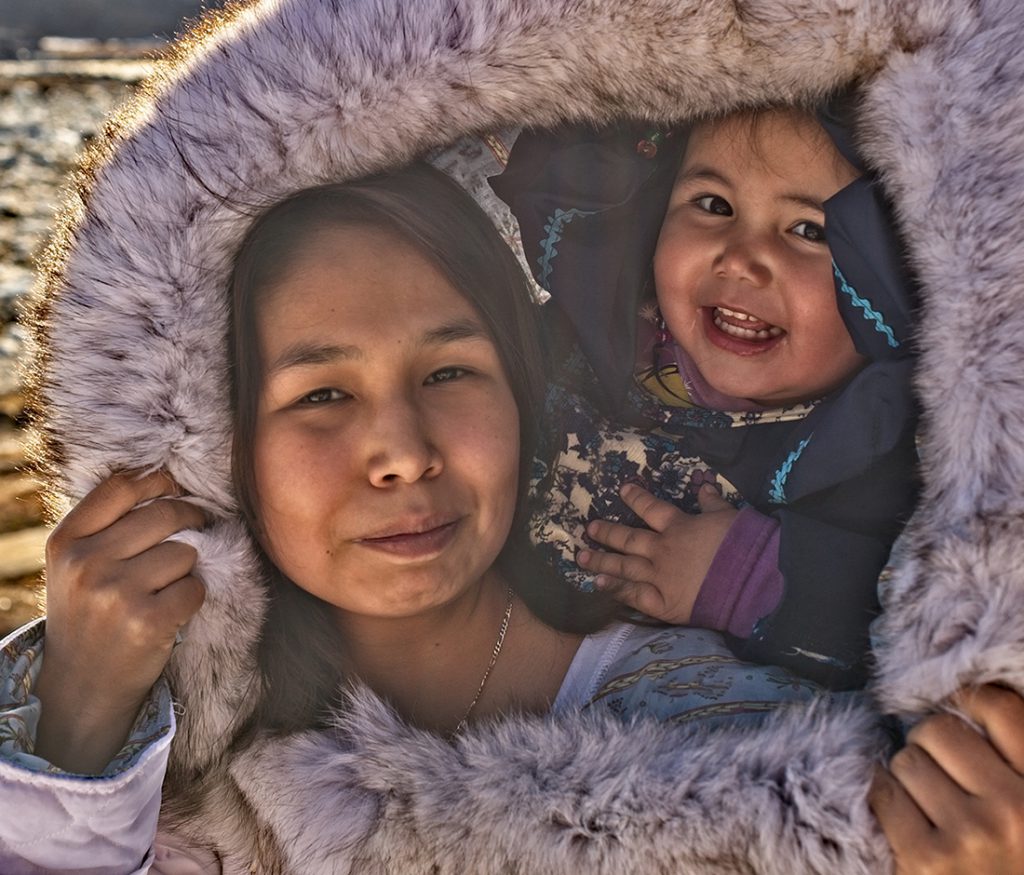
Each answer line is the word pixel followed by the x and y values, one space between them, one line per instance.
pixel 743 583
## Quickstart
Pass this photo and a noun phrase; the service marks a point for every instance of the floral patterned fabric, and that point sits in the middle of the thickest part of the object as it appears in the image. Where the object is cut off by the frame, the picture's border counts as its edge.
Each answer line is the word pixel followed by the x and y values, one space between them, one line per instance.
pixel 592 459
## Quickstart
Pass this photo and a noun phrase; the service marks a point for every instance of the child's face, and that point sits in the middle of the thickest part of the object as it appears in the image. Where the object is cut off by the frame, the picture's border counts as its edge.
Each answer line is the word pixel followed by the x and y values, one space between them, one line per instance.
pixel 742 269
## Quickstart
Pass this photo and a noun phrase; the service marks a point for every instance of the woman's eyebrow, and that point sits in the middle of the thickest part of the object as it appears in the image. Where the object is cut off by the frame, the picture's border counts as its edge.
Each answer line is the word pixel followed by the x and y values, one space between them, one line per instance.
pixel 451 332
pixel 304 353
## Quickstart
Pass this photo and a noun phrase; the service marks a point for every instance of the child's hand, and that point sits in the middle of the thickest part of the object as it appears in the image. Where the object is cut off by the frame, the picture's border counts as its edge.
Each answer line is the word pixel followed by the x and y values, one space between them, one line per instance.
pixel 117 594
pixel 952 800
pixel 659 571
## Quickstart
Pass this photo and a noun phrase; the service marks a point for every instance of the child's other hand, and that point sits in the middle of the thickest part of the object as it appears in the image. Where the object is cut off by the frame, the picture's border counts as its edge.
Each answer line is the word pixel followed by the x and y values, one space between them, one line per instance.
pixel 952 801
pixel 117 594
pixel 659 571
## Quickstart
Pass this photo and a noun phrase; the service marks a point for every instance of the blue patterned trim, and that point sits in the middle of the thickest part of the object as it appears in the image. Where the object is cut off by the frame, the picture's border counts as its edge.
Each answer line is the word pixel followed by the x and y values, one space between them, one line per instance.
pixel 553 229
pixel 870 313
pixel 778 490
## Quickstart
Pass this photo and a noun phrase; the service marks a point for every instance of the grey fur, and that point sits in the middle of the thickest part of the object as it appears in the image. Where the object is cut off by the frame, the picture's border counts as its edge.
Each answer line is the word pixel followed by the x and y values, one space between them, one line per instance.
pixel 286 94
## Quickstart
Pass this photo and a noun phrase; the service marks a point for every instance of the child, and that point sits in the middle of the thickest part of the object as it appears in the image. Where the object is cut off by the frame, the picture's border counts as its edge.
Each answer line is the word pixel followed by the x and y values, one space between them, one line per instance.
pixel 766 373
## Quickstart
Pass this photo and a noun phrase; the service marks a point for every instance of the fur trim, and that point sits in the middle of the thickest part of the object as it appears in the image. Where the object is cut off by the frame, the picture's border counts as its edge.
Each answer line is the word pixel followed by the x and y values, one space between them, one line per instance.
pixel 129 327
pixel 574 795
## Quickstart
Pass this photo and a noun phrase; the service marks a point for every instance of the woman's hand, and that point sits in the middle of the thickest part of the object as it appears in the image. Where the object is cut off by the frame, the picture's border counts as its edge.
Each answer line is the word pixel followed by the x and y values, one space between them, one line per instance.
pixel 116 594
pixel 659 570
pixel 952 800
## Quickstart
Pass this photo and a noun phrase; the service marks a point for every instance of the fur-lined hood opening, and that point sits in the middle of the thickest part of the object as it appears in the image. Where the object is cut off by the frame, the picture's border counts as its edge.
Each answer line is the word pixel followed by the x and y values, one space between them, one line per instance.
pixel 271 97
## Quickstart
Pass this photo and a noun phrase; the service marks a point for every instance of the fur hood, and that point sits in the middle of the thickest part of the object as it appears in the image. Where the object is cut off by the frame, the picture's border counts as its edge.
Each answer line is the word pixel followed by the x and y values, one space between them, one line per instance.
pixel 278 95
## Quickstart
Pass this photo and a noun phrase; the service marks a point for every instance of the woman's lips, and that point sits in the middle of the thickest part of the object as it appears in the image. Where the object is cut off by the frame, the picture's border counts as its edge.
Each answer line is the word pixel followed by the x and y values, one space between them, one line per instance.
pixel 417 543
pixel 738 332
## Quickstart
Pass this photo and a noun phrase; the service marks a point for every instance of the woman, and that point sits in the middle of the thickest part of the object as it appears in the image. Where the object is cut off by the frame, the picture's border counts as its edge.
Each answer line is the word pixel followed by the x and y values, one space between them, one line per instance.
pixel 153 248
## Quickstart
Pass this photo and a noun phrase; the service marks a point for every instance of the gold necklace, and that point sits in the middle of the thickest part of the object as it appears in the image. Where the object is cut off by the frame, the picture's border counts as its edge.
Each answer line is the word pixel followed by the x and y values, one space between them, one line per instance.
pixel 502 629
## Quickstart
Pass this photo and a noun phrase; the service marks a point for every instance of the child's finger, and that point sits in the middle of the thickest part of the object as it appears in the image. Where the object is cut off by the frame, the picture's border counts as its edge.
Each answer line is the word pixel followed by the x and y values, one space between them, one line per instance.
pixel 633 568
pixel 710 501
pixel 639 595
pixel 625 539
pixel 658 514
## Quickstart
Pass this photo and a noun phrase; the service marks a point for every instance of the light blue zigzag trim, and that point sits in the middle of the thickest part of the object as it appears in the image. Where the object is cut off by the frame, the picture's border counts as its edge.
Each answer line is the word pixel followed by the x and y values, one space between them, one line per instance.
pixel 870 313
pixel 553 229
pixel 778 490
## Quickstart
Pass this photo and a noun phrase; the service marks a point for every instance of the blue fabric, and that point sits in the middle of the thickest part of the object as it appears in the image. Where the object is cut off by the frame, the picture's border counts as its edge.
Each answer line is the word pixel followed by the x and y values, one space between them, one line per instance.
pixel 778 491
pixel 874 291
pixel 683 675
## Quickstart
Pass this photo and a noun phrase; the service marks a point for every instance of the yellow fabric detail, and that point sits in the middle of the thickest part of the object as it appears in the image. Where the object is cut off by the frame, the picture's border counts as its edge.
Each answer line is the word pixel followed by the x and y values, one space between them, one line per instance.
pixel 667 386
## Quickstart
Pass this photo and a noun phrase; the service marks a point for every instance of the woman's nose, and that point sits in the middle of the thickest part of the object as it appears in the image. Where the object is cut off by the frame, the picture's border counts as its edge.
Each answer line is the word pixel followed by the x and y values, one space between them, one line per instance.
pixel 400 447
pixel 745 257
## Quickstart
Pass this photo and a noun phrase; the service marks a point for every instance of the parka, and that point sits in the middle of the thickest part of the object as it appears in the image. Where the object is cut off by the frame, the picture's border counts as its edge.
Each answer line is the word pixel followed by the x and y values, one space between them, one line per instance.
pixel 270 97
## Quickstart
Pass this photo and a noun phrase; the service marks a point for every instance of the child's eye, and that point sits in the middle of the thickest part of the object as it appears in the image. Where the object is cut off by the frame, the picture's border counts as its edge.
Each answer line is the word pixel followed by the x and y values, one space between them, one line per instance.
pixel 810 231
pixel 712 203
pixel 446 375
pixel 321 396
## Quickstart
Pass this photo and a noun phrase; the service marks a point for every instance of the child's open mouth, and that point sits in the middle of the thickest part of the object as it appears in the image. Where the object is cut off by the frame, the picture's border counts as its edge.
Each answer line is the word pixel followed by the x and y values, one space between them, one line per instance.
pixel 740 332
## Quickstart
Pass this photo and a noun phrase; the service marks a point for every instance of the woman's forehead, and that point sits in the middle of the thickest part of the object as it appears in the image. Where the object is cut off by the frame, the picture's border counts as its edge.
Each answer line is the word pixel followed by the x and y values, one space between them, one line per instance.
pixel 361 284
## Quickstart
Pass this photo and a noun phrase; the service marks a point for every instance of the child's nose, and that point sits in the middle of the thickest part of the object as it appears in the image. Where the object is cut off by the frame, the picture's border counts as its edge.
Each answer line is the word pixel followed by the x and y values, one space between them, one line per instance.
pixel 745 257
pixel 399 447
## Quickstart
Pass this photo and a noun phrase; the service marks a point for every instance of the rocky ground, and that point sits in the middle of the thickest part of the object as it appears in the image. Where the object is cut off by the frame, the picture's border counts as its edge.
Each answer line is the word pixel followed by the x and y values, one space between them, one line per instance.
pixel 46 115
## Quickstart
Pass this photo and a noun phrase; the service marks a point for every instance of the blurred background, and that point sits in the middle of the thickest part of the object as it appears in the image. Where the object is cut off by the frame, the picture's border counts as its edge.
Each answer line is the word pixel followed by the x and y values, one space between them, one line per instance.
pixel 64 65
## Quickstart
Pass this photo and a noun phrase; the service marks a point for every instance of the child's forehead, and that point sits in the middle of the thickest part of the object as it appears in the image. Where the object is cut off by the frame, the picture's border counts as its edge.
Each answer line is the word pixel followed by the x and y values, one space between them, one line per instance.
pixel 783 142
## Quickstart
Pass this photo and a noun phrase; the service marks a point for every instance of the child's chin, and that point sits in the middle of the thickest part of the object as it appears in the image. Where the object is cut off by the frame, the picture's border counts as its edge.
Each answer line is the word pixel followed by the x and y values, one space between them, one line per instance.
pixel 750 386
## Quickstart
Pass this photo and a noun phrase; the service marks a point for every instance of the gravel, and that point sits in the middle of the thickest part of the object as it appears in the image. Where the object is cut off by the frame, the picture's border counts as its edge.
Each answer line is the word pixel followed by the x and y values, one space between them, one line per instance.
pixel 43 126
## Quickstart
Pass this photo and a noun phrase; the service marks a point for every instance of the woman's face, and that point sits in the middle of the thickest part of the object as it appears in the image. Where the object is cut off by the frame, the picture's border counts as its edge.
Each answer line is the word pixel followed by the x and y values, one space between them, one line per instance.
pixel 386 448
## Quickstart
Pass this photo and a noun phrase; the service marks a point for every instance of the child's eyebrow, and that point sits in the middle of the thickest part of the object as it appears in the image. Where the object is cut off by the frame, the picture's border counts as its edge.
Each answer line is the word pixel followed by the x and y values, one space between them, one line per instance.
pixel 805 200
pixel 703 173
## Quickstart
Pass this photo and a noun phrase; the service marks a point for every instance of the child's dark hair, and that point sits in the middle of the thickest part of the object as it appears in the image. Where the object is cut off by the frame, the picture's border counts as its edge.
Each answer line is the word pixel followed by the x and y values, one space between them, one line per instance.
pixel 299 646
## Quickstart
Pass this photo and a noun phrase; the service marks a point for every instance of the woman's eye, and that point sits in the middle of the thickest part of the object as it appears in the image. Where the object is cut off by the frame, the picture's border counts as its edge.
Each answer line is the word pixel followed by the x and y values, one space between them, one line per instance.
pixel 712 203
pixel 321 396
pixel 810 231
pixel 446 375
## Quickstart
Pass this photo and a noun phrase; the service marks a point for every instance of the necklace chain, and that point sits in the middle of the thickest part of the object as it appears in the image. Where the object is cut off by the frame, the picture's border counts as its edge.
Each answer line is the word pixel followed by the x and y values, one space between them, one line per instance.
pixel 502 629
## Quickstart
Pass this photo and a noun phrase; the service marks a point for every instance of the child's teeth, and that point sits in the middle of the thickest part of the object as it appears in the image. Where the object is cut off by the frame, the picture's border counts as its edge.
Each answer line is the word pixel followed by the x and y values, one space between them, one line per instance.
pixel 733 313
pixel 734 330
pixel 745 333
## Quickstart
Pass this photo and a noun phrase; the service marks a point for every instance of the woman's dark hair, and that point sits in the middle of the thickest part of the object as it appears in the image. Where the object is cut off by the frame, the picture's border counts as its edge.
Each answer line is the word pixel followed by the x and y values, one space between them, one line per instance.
pixel 420 205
